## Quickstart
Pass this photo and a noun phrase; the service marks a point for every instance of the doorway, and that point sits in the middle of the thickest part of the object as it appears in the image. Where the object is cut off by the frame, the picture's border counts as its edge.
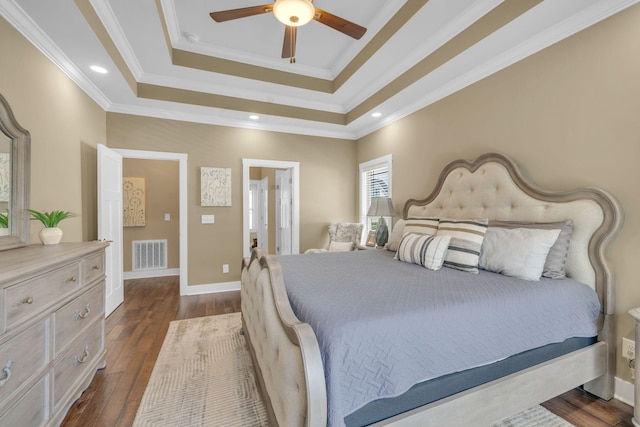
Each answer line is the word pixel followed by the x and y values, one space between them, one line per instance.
pixel 283 203
pixel 181 158
pixel 259 210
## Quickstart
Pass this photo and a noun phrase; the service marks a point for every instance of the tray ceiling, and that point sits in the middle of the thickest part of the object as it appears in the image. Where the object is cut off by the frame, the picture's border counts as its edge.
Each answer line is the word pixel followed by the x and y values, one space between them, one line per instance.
pixel 169 59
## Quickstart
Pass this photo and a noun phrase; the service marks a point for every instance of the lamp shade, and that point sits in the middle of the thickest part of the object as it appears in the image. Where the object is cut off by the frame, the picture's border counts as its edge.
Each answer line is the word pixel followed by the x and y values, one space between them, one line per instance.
pixel 381 206
pixel 294 12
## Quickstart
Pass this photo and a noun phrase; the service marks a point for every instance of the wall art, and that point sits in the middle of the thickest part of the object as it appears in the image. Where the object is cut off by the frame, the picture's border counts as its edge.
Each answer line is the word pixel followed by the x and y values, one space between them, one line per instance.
pixel 133 202
pixel 215 186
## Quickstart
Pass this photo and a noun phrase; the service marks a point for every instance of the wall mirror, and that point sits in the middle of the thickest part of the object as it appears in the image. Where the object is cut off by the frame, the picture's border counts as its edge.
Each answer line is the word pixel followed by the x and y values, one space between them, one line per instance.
pixel 15 152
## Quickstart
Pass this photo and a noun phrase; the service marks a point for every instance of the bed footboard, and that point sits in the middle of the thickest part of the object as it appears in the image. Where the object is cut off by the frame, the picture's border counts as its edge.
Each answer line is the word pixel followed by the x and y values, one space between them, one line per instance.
pixel 285 351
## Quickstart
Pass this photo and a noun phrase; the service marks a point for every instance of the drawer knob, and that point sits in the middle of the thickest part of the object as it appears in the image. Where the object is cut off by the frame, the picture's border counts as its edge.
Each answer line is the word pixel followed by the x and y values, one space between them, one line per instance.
pixel 85 355
pixel 25 300
pixel 70 279
pixel 6 372
pixel 95 267
pixel 87 310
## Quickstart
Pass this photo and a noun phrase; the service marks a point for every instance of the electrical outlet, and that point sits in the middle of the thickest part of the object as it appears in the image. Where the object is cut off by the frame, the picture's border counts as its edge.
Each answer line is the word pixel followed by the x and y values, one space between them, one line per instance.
pixel 628 349
pixel 225 268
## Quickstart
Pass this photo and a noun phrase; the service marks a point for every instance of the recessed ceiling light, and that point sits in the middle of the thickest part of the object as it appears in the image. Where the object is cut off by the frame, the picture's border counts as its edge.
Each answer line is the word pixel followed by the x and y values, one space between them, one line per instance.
pixel 99 69
pixel 254 117
pixel 376 114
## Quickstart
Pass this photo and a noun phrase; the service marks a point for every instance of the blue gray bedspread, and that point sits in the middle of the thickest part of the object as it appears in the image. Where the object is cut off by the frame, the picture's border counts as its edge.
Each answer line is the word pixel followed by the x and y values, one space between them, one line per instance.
pixel 385 325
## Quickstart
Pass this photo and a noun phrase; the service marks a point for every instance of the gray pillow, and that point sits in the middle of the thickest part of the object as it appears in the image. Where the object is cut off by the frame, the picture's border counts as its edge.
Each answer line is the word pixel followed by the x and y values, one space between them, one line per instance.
pixel 554 266
pixel 396 236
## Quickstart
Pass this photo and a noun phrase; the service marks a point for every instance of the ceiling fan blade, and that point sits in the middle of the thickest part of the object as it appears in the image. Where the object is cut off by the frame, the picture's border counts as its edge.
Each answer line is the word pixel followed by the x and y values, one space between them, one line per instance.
pixel 289 45
pixel 340 24
pixel 227 15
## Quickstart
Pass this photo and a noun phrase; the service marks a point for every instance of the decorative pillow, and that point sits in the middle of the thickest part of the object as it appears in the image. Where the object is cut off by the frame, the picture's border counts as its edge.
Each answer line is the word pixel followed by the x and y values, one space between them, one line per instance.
pixel 345 232
pixel 396 236
pixel 423 249
pixel 517 252
pixel 554 266
pixel 421 225
pixel 466 242
pixel 340 246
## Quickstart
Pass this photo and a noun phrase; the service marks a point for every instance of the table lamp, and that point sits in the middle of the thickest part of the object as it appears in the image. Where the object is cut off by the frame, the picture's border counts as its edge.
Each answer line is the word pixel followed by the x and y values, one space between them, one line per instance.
pixel 381 207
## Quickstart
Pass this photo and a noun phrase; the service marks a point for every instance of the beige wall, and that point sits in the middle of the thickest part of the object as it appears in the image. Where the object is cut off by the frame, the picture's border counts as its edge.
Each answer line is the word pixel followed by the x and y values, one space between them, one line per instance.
pixel 328 182
pixel 65 125
pixel 569 116
pixel 161 196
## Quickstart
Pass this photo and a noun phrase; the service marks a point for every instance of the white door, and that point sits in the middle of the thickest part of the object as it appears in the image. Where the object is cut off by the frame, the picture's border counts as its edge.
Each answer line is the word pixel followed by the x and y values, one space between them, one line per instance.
pixel 110 223
pixel 284 209
pixel 258 211
pixel 263 209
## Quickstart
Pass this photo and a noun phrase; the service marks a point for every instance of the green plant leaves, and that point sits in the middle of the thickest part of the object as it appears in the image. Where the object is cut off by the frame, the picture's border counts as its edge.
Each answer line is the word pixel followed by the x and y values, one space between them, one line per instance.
pixel 50 219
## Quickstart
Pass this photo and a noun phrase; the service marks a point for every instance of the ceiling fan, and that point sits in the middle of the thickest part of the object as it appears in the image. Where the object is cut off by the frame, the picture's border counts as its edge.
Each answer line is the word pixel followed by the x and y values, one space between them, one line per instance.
pixel 293 14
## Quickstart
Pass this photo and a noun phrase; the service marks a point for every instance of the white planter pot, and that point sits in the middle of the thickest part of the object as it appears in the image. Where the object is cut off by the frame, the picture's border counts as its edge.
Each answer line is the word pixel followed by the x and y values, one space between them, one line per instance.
pixel 50 236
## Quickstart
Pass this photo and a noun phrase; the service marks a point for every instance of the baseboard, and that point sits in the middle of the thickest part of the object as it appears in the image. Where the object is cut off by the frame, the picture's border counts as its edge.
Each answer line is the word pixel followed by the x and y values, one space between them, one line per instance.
pixel 623 391
pixel 213 288
pixel 144 274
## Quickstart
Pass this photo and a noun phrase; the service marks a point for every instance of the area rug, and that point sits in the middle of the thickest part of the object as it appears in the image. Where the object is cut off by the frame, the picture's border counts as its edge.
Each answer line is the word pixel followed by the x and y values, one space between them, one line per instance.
pixel 204 377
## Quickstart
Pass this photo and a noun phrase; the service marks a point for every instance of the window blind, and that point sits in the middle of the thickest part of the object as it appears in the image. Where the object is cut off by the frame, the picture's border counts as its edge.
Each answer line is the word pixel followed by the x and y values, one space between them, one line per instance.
pixel 375 181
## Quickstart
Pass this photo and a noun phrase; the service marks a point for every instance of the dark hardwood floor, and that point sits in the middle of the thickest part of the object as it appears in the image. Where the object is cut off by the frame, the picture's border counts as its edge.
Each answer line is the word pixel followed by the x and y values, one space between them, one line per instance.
pixel 135 332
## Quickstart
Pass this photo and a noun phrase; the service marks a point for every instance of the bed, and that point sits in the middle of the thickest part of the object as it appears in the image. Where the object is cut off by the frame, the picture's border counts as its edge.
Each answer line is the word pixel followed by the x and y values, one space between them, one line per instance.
pixel 293 361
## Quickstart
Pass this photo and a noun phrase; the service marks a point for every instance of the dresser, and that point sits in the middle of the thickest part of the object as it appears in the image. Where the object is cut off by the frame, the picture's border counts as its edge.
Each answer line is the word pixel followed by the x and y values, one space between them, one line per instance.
pixel 51 329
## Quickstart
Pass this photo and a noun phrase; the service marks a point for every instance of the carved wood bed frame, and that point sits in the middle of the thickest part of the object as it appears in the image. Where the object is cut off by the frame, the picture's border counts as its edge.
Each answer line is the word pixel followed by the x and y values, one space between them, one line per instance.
pixel 287 356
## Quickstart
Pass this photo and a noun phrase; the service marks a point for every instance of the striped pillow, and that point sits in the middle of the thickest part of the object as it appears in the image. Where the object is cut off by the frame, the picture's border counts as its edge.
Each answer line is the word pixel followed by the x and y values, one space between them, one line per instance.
pixel 466 241
pixel 421 226
pixel 422 249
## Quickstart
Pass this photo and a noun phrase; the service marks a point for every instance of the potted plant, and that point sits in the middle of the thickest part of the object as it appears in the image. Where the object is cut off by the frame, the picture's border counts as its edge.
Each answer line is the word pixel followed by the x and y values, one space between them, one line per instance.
pixel 51 234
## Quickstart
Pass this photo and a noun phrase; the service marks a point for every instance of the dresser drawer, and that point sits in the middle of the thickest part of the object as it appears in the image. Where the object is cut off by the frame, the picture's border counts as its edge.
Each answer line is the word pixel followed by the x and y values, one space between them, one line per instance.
pixel 27 299
pixel 74 317
pixel 76 363
pixel 30 410
pixel 93 267
pixel 23 356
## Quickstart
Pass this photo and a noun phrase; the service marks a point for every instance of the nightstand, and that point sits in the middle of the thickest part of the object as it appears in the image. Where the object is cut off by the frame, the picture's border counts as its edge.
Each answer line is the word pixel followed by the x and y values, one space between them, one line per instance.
pixel 635 313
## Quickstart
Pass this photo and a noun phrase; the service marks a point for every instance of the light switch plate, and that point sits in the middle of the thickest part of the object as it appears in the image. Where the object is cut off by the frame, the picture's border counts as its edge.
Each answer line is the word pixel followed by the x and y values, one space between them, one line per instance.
pixel 208 219
pixel 167 217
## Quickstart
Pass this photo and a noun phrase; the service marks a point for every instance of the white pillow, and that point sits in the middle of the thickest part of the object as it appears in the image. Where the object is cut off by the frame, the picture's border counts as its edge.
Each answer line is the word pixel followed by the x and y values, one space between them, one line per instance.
pixel 423 249
pixel 340 246
pixel 516 252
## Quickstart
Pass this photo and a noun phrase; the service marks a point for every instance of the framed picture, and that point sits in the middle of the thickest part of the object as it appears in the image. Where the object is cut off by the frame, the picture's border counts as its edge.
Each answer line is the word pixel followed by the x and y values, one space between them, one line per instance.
pixel 215 186
pixel 371 239
pixel 133 202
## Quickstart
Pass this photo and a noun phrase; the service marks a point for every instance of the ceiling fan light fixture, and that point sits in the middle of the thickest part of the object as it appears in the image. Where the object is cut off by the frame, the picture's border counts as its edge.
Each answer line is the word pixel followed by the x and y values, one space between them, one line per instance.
pixel 294 12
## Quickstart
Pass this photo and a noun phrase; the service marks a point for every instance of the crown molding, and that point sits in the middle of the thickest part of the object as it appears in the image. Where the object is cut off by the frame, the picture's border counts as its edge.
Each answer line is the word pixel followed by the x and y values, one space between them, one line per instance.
pixel 105 12
pixel 219 117
pixel 421 94
pixel 357 95
pixel 32 32
pixel 408 104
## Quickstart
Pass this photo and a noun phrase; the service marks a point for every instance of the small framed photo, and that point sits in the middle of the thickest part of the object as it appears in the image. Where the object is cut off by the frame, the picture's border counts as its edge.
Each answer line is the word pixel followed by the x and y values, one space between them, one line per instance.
pixel 371 239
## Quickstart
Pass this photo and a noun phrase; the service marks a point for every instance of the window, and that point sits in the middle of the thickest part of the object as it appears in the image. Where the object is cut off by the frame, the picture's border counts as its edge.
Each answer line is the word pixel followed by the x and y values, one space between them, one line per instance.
pixel 375 181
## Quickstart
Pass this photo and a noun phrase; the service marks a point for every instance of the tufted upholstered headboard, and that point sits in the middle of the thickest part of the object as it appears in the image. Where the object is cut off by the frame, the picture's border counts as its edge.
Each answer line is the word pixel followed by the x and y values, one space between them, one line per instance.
pixel 492 187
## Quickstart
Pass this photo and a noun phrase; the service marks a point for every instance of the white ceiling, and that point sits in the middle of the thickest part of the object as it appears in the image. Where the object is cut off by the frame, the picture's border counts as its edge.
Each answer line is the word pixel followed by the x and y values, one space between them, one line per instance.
pixel 60 29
